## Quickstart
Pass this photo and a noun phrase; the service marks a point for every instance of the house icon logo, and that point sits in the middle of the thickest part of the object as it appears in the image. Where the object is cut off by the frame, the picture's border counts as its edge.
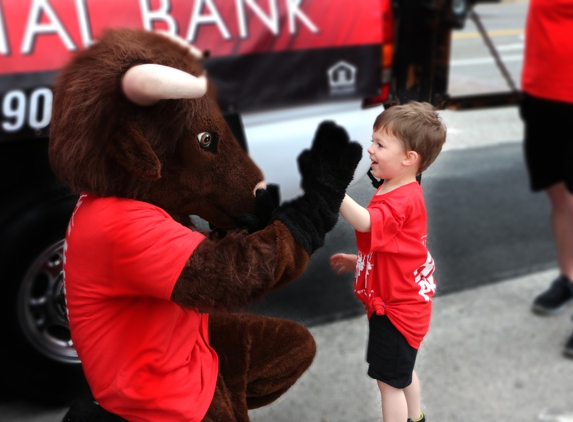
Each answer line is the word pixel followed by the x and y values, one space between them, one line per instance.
pixel 342 78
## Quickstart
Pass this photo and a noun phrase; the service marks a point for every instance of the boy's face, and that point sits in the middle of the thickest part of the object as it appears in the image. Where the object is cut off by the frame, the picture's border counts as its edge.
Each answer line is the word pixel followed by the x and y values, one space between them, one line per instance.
pixel 387 154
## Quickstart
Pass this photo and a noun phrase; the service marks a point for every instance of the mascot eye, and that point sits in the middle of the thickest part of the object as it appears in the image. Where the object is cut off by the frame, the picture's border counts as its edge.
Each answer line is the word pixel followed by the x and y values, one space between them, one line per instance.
pixel 205 139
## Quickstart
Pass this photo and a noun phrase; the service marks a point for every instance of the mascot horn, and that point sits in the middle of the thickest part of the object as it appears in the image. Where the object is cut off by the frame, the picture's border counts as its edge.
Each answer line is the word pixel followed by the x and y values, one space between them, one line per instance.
pixel 137 133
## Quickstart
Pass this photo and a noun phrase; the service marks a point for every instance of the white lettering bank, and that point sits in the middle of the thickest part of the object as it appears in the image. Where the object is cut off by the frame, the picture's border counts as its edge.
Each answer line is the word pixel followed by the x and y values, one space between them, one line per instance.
pixel 43 20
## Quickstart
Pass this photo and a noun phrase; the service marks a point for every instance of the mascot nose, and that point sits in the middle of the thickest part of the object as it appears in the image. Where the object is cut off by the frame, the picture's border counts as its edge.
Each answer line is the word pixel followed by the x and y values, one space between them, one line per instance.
pixel 261 185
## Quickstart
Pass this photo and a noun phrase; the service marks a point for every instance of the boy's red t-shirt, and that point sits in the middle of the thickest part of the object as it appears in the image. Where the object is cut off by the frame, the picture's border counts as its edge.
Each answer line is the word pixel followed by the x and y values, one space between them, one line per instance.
pixel 394 272
pixel 145 358
pixel 548 60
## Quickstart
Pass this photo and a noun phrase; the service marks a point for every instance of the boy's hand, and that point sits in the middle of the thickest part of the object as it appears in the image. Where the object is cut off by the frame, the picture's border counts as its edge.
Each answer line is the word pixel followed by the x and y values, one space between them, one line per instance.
pixel 342 262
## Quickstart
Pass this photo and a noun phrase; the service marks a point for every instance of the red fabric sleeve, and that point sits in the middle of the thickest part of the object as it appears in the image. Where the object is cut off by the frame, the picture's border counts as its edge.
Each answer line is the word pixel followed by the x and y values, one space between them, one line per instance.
pixel 152 252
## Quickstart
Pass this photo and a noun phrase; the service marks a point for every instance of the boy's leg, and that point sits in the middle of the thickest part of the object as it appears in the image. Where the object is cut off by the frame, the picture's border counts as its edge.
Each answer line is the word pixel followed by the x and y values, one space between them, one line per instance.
pixel 391 363
pixel 394 406
pixel 259 359
pixel 412 393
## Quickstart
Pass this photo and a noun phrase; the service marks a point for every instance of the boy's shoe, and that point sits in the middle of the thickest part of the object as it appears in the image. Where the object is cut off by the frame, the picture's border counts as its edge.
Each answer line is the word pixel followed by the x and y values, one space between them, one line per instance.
pixel 422 418
pixel 555 298
pixel 568 351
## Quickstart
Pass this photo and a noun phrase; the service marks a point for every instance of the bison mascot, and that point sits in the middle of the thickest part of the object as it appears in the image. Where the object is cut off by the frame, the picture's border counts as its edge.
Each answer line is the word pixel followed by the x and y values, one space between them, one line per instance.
pixel 137 133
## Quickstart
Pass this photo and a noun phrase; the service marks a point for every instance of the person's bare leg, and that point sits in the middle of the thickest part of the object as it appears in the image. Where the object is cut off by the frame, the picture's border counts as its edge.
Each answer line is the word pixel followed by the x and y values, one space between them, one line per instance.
pixel 562 226
pixel 394 406
pixel 412 393
pixel 568 256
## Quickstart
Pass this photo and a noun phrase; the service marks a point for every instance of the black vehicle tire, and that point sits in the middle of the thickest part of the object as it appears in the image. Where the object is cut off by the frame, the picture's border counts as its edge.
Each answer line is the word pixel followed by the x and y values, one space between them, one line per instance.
pixel 38 360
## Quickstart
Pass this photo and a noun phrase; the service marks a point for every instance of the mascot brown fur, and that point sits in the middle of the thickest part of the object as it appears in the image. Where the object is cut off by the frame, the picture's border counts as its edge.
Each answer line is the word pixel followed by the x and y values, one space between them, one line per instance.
pixel 146 351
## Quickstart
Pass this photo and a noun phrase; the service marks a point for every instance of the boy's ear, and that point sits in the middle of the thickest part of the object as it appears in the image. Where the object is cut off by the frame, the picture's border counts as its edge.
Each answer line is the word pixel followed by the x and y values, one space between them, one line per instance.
pixel 411 158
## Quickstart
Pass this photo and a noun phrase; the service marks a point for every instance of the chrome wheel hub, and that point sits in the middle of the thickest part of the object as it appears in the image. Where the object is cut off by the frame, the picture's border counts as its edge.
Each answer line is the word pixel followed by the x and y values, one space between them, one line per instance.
pixel 42 308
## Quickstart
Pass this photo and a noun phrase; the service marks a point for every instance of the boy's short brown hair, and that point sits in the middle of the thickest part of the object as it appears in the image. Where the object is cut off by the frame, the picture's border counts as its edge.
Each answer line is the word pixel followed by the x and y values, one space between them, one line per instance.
pixel 418 126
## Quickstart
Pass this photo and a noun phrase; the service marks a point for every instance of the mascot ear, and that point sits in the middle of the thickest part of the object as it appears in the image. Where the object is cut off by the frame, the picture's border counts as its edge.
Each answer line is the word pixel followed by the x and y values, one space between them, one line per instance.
pixel 131 150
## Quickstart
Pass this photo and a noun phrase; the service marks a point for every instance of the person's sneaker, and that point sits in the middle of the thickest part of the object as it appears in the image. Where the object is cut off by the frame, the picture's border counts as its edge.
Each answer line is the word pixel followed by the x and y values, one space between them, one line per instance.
pixel 555 298
pixel 422 418
pixel 568 351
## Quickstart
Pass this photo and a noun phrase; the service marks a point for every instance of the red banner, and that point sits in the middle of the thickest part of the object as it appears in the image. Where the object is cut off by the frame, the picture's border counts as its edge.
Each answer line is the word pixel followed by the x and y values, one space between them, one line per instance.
pixel 41 35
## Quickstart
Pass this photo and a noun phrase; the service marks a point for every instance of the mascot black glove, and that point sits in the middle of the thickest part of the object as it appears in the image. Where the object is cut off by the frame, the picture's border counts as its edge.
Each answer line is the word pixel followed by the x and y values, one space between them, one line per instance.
pixel 326 171
pixel 266 202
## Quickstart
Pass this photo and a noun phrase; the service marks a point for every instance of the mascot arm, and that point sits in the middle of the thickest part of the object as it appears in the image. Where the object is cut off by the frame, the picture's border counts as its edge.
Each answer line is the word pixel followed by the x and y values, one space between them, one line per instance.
pixel 230 272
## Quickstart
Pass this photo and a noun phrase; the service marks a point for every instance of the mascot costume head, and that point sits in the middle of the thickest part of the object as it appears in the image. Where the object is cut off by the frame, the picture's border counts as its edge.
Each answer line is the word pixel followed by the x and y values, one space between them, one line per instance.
pixel 136 131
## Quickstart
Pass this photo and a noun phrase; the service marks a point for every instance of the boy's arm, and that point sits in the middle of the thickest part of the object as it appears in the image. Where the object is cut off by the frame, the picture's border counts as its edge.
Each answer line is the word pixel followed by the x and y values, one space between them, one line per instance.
pixel 356 215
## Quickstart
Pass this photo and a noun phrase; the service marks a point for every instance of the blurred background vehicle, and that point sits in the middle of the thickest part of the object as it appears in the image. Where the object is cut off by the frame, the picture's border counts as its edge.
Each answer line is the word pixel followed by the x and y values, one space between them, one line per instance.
pixel 281 67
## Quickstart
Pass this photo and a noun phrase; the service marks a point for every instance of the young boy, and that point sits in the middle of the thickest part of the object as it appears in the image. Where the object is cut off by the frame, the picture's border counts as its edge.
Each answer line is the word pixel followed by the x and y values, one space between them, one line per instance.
pixel 393 268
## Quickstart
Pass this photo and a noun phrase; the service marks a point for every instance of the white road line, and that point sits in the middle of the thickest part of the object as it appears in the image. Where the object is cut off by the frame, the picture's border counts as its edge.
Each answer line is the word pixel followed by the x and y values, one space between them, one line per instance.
pixel 545 417
pixel 509 47
pixel 485 60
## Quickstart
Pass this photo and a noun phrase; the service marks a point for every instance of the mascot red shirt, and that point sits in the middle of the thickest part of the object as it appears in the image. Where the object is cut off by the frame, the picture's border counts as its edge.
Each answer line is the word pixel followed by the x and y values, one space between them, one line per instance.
pixel 122 259
pixel 394 273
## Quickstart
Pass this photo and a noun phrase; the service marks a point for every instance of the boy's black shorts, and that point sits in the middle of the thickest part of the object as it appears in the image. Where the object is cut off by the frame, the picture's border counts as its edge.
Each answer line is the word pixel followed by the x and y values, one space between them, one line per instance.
pixel 548 142
pixel 390 356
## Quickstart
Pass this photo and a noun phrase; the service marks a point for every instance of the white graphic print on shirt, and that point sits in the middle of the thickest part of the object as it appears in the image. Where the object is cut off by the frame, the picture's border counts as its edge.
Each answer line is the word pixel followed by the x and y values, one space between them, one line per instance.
pixel 425 279
pixel 423 276
pixel 363 264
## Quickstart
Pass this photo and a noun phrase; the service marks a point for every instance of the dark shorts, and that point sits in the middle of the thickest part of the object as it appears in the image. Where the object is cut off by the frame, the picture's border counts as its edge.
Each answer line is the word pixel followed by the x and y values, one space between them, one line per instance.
pixel 390 356
pixel 548 142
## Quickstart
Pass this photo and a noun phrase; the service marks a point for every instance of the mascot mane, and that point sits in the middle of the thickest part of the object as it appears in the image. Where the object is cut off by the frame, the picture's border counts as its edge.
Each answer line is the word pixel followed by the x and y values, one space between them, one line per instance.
pixel 104 143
